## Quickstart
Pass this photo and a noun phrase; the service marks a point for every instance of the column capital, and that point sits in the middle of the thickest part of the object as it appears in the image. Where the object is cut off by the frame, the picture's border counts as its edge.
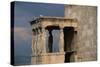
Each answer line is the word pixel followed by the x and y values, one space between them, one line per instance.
pixel 61 27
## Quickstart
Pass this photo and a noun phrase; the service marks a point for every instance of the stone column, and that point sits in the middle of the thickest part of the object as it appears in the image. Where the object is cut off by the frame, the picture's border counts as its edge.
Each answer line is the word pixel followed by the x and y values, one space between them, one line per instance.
pixel 43 40
pixel 38 42
pixel 34 48
pixel 33 43
pixel 61 41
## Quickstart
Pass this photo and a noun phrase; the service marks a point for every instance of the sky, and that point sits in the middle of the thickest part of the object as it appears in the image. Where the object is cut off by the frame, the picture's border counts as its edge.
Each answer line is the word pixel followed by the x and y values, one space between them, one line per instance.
pixel 24 13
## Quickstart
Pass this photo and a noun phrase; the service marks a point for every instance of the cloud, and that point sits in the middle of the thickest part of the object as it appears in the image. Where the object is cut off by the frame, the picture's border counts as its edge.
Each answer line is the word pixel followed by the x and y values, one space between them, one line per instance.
pixel 22 33
pixel 22 41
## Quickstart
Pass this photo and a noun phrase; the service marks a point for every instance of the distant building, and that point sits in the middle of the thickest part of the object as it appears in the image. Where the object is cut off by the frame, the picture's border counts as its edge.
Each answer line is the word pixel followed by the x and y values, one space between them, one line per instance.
pixel 86 39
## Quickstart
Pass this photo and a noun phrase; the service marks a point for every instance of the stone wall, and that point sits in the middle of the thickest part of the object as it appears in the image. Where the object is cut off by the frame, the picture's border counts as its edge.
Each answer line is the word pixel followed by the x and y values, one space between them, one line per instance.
pixel 86 39
pixel 48 58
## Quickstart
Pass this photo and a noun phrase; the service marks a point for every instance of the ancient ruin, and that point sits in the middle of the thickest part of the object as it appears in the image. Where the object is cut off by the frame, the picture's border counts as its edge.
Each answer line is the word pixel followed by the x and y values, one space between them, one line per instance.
pixel 76 41
pixel 42 54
